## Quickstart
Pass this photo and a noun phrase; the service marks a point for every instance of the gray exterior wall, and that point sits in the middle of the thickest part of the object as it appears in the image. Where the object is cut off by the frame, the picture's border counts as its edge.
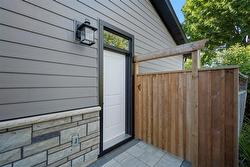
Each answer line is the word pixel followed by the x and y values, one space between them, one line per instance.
pixel 42 70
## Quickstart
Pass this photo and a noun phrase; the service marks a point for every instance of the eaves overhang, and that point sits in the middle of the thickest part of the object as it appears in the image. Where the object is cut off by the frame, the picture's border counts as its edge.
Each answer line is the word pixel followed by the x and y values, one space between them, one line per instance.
pixel 169 18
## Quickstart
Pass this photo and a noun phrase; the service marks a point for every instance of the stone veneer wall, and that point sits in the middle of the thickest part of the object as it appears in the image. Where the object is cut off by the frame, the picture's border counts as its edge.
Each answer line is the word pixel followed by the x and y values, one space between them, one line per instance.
pixel 49 143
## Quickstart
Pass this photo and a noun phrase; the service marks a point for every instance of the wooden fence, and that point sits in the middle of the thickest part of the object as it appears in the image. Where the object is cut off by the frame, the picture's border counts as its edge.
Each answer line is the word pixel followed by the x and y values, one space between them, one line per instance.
pixel 163 114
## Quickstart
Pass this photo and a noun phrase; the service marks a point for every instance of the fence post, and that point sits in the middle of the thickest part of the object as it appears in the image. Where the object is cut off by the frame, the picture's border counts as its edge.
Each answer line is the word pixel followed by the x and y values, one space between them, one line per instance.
pixel 194 115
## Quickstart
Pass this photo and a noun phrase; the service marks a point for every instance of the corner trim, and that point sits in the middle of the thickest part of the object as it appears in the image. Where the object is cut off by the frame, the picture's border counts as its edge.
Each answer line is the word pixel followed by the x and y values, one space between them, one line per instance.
pixel 47 117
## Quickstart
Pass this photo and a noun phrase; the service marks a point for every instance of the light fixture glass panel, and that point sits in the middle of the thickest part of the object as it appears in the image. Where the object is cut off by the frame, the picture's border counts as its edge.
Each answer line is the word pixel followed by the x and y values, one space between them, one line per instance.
pixel 89 34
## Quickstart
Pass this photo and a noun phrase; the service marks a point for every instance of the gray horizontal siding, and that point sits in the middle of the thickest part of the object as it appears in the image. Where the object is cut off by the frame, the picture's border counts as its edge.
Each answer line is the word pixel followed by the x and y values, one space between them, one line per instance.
pixel 17 80
pixel 42 70
pixel 10 65
pixel 14 50
pixel 21 95
pixel 43 107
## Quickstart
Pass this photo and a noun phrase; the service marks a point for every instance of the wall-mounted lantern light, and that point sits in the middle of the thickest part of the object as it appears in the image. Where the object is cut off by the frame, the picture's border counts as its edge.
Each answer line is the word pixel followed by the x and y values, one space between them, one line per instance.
pixel 85 33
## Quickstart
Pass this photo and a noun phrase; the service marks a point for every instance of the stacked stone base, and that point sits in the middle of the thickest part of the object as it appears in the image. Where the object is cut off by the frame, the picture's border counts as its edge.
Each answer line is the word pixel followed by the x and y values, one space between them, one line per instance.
pixel 49 143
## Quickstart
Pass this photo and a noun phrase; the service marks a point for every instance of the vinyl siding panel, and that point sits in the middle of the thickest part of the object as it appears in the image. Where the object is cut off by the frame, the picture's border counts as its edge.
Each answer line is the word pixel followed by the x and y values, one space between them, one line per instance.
pixel 19 80
pixel 42 70
pixel 20 110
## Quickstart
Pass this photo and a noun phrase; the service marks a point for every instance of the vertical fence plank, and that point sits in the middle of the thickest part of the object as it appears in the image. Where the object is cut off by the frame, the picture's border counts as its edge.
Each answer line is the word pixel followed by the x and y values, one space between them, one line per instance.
pixel 180 115
pixel 169 97
pixel 150 110
pixel 155 110
pixel 204 119
pixel 172 112
pixel 140 104
pixel 188 117
pixel 144 108
pixel 164 114
pixel 160 110
pixel 194 115
pixel 217 117
pixel 184 114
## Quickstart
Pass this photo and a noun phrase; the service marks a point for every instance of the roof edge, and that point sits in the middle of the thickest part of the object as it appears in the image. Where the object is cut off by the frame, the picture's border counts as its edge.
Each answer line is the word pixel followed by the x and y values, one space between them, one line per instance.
pixel 167 14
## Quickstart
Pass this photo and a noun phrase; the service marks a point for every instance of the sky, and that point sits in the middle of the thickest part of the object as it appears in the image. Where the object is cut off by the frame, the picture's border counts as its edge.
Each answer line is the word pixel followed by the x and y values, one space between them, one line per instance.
pixel 177 5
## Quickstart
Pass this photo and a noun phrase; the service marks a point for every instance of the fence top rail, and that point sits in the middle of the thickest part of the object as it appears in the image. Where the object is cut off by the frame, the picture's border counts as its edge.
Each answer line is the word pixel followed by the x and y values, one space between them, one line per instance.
pixel 173 51
pixel 189 71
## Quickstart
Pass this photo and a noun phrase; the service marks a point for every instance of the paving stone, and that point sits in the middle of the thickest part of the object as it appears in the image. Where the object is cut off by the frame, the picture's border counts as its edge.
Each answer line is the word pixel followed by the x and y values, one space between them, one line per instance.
pixel 91 115
pixel 76 118
pixel 90 142
pixel 112 163
pixel 49 124
pixel 32 160
pixel 91 155
pixel 136 151
pixel 142 145
pixel 58 148
pixel 131 161
pixel 40 146
pixel 150 158
pixel 10 156
pixel 14 139
pixel 93 127
pixel 54 129
pixel 122 156
pixel 67 164
pixel 171 162
pixel 62 154
pixel 66 135
pixel 151 155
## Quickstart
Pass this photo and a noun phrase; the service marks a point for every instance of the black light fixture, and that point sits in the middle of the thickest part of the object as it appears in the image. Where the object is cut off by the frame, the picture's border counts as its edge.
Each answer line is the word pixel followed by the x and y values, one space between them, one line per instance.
pixel 85 33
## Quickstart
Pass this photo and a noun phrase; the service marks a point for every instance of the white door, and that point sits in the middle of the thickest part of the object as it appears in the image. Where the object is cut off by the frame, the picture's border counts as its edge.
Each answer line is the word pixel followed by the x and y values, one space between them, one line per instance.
pixel 114 96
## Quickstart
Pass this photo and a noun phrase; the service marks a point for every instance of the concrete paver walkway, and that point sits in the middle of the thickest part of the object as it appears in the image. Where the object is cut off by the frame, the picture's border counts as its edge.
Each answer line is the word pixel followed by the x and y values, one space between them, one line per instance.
pixel 138 154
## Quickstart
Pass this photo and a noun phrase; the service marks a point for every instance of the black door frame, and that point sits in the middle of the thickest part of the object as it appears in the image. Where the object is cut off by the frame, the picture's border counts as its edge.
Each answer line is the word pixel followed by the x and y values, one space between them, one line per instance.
pixel 129 93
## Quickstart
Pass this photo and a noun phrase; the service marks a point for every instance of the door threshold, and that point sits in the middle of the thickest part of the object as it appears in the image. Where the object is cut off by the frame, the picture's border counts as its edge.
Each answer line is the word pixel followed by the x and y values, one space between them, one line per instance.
pixel 115 140
pixel 103 152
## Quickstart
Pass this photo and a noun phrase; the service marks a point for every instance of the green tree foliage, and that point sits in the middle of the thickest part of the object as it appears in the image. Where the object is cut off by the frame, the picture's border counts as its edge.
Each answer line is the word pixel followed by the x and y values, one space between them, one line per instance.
pixel 235 55
pixel 216 20
pixel 225 23
pixel 115 40
pixel 188 64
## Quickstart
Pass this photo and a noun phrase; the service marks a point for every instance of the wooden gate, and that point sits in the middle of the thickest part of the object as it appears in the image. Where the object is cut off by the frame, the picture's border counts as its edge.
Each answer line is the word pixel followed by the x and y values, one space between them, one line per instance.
pixel 163 114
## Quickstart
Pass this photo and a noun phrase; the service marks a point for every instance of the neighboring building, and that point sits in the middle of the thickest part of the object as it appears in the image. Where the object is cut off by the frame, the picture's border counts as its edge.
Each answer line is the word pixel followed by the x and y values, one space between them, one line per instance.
pixel 52 88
